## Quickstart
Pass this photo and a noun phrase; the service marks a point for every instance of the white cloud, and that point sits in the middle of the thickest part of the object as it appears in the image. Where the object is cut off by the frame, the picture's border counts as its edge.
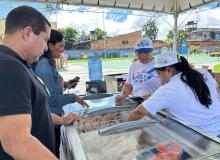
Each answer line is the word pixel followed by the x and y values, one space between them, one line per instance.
pixel 89 20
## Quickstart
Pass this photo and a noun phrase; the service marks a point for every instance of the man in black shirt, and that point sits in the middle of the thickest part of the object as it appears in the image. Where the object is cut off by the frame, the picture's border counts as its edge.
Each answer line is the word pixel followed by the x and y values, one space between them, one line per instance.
pixel 26 129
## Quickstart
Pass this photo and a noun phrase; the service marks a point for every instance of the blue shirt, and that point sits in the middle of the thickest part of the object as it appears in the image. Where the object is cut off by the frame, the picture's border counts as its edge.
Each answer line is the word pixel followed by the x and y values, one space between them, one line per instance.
pixel 48 73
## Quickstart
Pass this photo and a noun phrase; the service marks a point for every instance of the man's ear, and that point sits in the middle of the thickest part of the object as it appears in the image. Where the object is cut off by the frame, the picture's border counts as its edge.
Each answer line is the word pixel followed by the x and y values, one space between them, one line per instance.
pixel 50 45
pixel 26 33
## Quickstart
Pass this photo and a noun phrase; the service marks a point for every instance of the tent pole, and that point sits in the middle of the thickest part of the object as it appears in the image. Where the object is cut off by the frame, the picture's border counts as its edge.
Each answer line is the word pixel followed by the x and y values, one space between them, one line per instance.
pixel 175 33
pixel 103 20
pixel 175 27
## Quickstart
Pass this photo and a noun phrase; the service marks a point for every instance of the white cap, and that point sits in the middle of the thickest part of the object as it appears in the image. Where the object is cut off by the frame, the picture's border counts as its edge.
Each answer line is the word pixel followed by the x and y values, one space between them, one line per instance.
pixel 144 45
pixel 166 59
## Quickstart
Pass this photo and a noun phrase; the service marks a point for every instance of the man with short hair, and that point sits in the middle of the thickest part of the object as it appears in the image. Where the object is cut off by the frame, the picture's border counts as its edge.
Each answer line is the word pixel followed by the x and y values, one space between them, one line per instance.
pixel 26 129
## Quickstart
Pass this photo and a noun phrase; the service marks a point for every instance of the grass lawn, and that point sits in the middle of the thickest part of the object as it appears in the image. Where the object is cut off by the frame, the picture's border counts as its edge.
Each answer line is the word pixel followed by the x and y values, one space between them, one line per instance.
pixel 216 68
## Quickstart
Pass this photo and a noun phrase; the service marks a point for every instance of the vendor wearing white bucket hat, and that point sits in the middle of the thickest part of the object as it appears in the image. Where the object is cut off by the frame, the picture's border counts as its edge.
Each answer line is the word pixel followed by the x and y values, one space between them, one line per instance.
pixel 142 78
pixel 190 96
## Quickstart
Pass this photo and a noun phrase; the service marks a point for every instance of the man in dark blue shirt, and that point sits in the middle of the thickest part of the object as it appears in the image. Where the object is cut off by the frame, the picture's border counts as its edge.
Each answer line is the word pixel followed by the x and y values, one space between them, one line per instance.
pixel 26 125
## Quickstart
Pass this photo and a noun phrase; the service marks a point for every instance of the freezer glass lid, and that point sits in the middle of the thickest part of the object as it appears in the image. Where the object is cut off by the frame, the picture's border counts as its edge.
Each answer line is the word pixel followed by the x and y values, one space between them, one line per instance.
pixel 97 101
pixel 154 142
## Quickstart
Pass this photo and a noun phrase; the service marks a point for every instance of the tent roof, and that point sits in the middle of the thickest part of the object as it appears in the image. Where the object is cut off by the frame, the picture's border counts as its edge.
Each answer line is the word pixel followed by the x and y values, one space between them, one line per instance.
pixel 167 6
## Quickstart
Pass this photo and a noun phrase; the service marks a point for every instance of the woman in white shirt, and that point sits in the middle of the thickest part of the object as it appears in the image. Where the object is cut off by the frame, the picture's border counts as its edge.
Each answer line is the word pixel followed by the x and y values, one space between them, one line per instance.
pixel 142 78
pixel 189 95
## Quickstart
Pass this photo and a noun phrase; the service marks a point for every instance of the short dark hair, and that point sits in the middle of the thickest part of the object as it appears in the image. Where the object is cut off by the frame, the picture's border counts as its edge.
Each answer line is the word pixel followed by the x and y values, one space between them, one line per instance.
pixel 24 16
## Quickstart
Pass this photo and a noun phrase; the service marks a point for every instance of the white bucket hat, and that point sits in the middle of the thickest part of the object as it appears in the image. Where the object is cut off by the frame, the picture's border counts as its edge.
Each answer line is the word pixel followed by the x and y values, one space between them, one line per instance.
pixel 166 59
pixel 144 45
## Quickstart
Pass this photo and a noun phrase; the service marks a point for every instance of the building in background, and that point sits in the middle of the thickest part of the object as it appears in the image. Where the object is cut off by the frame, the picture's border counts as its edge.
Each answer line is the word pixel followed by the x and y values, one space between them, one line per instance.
pixel 206 39
pixel 205 34
pixel 124 41
pixel 83 45
pixel 110 47
pixel 191 25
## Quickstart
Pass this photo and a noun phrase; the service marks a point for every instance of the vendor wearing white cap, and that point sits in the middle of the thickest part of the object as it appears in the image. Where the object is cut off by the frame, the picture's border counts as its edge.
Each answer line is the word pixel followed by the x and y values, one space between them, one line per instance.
pixel 142 78
pixel 190 96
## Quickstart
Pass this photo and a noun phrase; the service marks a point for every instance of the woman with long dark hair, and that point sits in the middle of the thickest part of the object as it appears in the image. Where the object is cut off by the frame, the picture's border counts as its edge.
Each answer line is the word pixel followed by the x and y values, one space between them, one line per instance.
pixel 190 95
pixel 45 68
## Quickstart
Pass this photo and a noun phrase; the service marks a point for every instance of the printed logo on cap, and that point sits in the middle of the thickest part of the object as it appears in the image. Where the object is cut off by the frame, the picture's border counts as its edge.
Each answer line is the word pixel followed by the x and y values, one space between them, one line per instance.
pixel 143 44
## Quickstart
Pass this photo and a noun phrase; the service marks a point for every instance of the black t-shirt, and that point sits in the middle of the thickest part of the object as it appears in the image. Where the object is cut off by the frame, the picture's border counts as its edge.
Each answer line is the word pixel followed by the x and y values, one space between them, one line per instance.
pixel 22 93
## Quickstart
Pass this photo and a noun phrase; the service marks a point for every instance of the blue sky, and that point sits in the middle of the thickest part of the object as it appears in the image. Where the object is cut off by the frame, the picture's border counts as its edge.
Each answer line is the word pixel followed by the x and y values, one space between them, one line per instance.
pixel 118 15
pixel 118 21
pixel 5 7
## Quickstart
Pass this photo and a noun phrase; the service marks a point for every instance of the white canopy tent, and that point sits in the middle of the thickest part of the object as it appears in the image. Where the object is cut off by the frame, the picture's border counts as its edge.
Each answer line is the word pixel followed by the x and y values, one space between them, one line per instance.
pixel 167 6
pixel 174 7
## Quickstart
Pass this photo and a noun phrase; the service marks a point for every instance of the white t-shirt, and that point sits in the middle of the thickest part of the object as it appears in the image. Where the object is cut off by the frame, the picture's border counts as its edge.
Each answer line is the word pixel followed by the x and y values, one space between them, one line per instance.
pixel 143 78
pixel 181 102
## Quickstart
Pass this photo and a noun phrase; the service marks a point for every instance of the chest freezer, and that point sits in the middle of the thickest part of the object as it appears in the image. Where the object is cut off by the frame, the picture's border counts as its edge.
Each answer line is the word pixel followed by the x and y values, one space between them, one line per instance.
pixel 106 134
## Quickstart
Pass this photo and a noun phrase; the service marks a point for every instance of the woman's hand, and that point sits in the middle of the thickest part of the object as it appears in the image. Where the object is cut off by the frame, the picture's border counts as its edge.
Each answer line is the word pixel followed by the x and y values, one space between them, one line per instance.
pixel 119 98
pixel 82 102
pixel 145 97
pixel 71 83
pixel 69 118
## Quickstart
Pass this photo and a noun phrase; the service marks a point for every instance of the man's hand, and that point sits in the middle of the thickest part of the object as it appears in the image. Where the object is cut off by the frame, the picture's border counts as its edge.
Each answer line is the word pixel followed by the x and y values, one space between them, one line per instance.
pixel 82 102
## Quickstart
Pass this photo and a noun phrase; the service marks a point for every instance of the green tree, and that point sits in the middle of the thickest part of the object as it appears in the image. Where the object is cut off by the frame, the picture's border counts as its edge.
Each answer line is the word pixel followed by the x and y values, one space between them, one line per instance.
pixel 194 49
pixel 150 29
pixel 99 34
pixel 70 34
pixel 182 35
